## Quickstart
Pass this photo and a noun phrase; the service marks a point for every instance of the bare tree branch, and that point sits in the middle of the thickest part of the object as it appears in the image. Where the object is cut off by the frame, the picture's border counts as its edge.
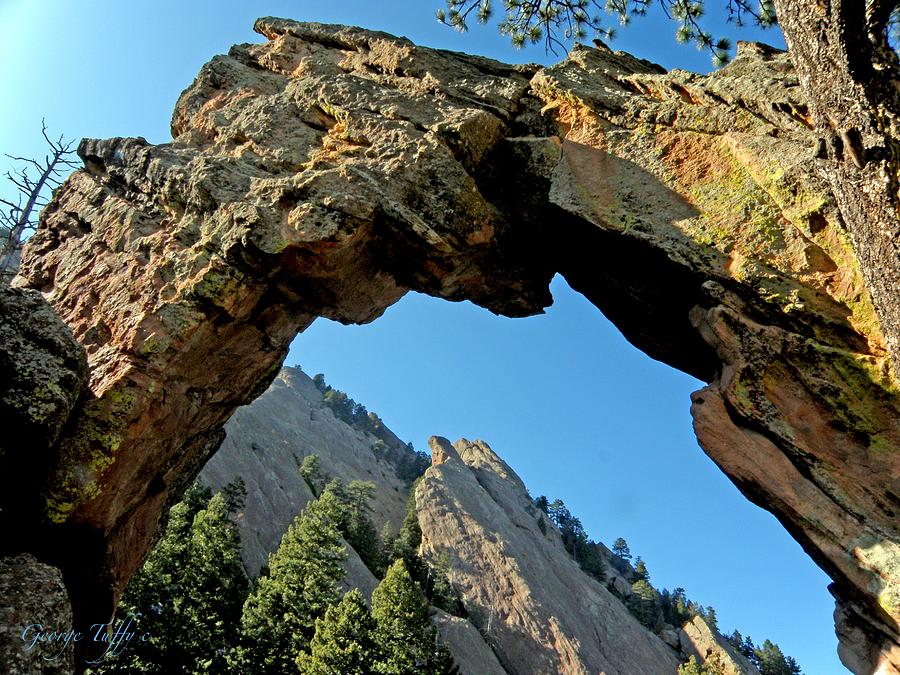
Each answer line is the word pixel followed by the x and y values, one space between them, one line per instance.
pixel 21 216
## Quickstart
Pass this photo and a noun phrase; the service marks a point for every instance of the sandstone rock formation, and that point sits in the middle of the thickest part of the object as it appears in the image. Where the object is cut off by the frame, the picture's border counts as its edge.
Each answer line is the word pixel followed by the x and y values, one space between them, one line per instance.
pixel 35 633
pixel 540 612
pixel 331 169
pixel 699 640
pixel 472 654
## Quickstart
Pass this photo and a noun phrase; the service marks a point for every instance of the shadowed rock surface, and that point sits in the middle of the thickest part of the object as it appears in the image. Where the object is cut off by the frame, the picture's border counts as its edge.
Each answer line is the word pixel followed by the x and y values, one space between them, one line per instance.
pixel 329 170
pixel 472 654
pixel 33 595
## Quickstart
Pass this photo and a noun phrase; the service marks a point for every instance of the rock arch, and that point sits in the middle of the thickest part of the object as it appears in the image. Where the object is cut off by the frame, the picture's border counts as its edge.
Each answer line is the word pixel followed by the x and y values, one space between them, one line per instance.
pixel 332 169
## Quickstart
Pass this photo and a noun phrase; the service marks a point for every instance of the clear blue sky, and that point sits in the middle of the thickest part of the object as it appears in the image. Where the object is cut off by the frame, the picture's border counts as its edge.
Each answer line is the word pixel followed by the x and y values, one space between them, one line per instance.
pixel 577 411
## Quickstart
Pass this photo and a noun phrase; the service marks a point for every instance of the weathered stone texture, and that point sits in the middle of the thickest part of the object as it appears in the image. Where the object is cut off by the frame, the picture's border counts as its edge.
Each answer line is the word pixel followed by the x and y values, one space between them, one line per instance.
pixel 699 640
pixel 331 169
pixel 43 373
pixel 538 610
pixel 472 654
pixel 33 594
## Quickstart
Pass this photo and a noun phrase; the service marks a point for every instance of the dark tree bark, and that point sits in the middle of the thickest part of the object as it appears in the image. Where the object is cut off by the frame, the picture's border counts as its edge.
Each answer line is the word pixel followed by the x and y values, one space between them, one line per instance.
pixel 849 76
pixel 851 80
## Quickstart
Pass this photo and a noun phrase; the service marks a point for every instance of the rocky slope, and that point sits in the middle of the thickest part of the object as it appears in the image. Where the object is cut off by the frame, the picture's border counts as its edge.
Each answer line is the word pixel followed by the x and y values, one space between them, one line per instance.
pixel 264 445
pixel 530 607
pixel 520 586
pixel 310 176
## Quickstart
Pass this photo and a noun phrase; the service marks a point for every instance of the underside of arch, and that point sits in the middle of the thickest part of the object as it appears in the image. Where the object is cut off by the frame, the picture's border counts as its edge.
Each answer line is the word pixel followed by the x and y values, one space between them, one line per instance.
pixel 329 170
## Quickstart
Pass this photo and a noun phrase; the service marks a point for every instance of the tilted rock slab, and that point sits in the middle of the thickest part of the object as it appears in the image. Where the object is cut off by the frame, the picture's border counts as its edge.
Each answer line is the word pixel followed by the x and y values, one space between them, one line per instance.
pixel 473 656
pixel 697 639
pixel 331 169
pixel 537 609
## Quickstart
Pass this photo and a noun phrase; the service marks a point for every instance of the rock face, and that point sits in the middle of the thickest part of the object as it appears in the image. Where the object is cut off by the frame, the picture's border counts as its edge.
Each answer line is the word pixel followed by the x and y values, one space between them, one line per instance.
pixel 540 612
pixel 34 603
pixel 265 444
pixel 472 654
pixel 331 169
pixel 697 639
pixel 44 372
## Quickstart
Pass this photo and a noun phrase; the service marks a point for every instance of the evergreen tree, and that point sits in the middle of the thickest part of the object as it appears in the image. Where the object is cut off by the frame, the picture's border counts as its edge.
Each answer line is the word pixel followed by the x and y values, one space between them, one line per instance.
pixel 620 549
pixel 772 661
pixel 621 556
pixel 591 561
pixel 560 22
pixel 344 641
pixel 352 514
pixel 439 590
pixel 404 632
pixel 319 381
pixel 406 543
pixel 690 668
pixel 311 471
pixel 187 596
pixel 304 574
pixel 640 571
pixel 644 604
pixel 677 609
pixel 235 494
pixel 712 666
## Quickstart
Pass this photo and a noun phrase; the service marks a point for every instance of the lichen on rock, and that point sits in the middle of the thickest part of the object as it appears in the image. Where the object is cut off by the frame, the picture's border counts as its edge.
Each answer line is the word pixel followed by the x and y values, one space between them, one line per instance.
pixel 329 170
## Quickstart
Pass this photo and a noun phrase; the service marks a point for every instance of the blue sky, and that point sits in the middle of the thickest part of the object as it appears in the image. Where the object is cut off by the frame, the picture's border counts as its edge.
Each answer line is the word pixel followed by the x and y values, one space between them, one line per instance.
pixel 577 411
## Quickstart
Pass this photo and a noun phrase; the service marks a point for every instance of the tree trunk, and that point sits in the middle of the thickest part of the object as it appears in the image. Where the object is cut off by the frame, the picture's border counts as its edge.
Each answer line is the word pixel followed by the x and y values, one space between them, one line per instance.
pixel 848 75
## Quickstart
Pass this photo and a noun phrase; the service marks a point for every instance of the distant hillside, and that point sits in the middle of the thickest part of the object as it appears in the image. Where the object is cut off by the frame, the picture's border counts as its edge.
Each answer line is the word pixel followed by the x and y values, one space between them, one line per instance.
pixel 265 444
pixel 525 603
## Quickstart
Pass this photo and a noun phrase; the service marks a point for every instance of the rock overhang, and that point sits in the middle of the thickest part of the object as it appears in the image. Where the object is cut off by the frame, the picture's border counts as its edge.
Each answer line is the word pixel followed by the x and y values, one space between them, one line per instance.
pixel 332 169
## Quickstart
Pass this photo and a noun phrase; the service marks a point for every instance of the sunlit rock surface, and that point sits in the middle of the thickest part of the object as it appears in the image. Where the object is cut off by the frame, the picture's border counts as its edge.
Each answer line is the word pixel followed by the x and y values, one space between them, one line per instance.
pixel 520 587
pixel 329 170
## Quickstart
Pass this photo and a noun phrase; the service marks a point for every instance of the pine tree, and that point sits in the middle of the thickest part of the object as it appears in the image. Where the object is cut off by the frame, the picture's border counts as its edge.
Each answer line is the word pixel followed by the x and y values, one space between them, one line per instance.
pixel 304 574
pixel 690 668
pixel 644 604
pixel 406 544
pixel 311 471
pixel 621 556
pixel 215 584
pixel 640 571
pixel 404 632
pixel 188 594
pixel 712 666
pixel 360 531
pixel 620 549
pixel 772 661
pixel 344 641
